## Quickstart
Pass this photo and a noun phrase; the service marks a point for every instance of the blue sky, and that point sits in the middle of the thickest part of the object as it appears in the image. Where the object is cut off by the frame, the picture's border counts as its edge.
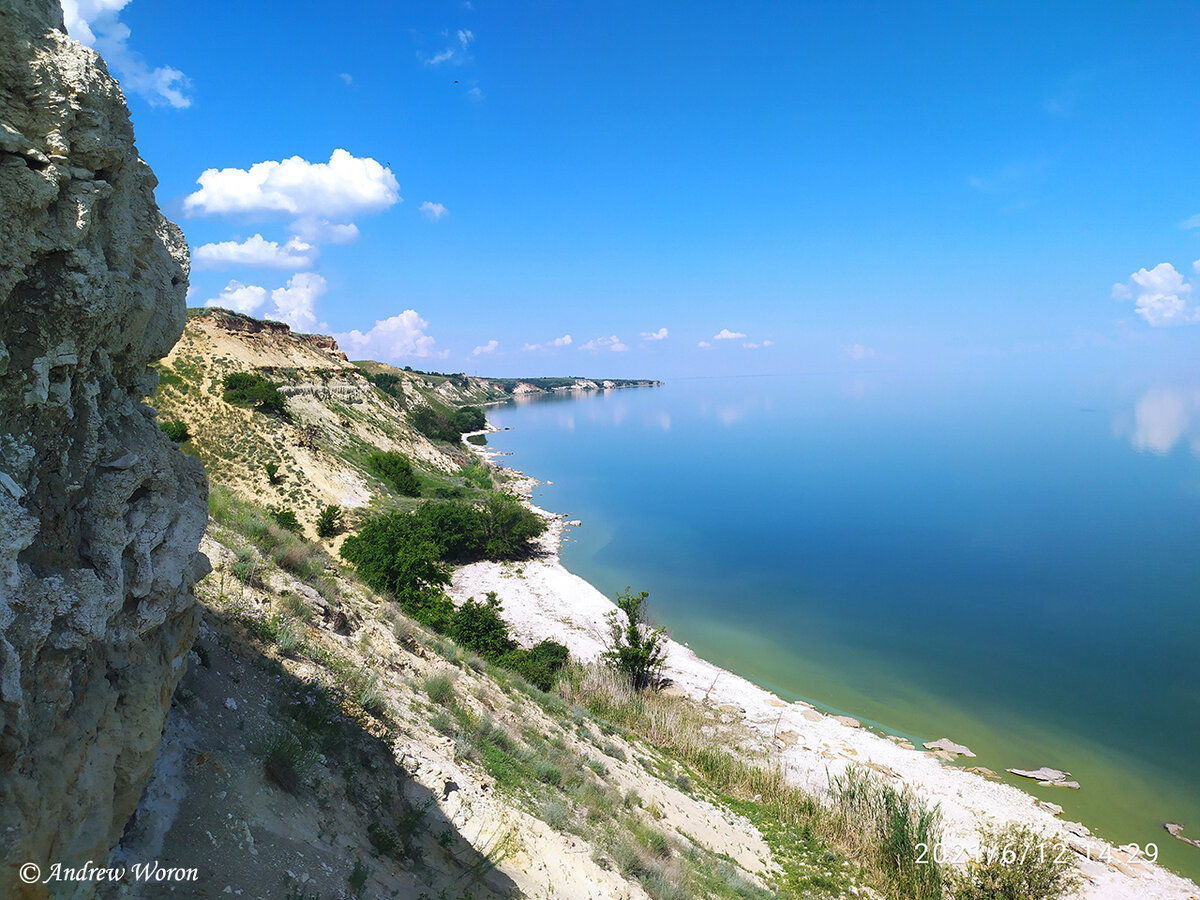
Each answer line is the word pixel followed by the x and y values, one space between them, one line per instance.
pixel 837 185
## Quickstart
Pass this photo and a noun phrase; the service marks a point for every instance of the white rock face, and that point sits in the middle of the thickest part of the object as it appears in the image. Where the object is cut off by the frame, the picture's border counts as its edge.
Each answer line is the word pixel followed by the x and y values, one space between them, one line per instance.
pixel 100 514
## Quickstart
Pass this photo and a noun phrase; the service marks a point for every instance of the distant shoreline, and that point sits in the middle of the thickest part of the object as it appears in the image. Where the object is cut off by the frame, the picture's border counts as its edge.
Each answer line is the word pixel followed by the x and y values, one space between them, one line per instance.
pixel 542 599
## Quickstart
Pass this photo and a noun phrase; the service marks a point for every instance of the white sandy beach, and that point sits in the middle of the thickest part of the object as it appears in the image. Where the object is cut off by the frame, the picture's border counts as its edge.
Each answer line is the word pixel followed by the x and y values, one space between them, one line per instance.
pixel 541 599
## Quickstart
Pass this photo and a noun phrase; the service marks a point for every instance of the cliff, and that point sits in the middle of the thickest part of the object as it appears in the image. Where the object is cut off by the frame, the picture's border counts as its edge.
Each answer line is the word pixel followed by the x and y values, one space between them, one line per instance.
pixel 100 514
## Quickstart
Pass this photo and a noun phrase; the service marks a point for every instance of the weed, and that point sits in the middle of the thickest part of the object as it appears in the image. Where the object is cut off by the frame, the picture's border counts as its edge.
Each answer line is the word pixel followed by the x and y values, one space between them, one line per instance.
pixel 286 761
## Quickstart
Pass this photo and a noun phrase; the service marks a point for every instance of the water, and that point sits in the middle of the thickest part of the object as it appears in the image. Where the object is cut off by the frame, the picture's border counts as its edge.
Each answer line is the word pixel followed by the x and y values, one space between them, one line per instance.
pixel 1006 563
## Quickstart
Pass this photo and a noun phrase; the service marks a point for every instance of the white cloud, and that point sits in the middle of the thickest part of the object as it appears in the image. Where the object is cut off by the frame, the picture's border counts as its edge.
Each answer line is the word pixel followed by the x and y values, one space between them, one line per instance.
pixel 1160 295
pixel 704 345
pixel 399 337
pixel 434 212
pixel 322 231
pixel 489 347
pixel 322 197
pixel 564 341
pixel 768 343
pixel 255 251
pixel 660 335
pixel 612 343
pixel 726 335
pixel 96 23
pixel 476 94
pixel 750 345
pixel 243 298
pixel 1191 222
pixel 294 304
pixel 465 36
pixel 346 77
pixel 857 351
pixel 456 55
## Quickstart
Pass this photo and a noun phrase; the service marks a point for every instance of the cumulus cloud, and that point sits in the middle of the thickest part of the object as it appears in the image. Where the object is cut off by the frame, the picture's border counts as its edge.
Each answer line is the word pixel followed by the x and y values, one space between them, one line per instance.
pixel 660 335
pixel 1160 295
pixel 96 23
pixel 255 251
pixel 489 347
pixel 243 298
pixel 857 351
pixel 726 335
pixel 612 342
pixel 434 212
pixel 295 303
pixel 322 198
pixel 396 338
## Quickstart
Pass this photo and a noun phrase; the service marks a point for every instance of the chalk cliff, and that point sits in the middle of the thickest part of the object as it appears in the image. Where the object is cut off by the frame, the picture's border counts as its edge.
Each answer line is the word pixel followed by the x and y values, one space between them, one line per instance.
pixel 100 514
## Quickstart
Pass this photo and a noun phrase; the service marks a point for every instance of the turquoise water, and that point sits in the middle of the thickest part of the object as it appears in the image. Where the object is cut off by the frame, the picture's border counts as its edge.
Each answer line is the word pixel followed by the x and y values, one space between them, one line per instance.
pixel 1009 564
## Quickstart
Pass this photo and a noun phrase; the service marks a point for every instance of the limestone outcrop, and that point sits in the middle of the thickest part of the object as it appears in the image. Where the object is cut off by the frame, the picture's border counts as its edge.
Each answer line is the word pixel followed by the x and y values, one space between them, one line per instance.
pixel 100 514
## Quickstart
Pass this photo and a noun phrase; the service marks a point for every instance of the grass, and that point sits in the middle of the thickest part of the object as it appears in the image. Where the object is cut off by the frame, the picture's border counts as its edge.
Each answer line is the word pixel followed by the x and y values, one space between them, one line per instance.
pixel 286 761
pixel 440 690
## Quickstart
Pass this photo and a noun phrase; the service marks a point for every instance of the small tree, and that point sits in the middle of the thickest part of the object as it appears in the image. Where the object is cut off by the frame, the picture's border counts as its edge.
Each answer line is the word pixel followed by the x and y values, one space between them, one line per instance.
pixel 272 470
pixel 635 648
pixel 329 522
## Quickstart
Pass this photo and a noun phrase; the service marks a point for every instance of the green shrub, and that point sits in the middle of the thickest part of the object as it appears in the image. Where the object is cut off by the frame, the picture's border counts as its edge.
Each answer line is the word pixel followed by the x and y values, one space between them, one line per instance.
pixel 635 648
pixel 395 469
pixel 540 665
pixel 511 527
pixel 175 430
pixel 329 522
pixel 285 518
pixel 392 555
pixel 480 627
pixel 1016 863
pixel 479 440
pixel 252 389
pixel 272 470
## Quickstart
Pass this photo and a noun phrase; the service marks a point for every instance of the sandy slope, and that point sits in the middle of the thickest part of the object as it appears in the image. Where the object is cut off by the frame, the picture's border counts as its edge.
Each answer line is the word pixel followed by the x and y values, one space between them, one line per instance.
pixel 541 599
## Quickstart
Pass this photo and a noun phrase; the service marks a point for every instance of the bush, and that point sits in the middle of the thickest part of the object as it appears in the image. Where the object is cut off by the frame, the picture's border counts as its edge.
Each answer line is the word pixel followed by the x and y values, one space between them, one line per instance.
pixel 459 530
pixel 396 470
pixel 511 527
pixel 286 518
pixel 272 470
pixel 539 665
pixel 252 389
pixel 1017 863
pixel 175 430
pixel 635 648
pixel 329 522
pixel 480 627
pixel 392 555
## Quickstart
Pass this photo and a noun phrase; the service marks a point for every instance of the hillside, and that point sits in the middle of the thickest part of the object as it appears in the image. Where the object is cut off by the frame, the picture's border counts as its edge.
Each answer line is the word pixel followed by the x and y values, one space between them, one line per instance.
pixel 444 755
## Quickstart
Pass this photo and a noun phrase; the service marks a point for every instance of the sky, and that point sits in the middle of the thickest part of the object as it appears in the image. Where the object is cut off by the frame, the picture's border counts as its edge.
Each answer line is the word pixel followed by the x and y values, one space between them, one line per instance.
pixel 680 189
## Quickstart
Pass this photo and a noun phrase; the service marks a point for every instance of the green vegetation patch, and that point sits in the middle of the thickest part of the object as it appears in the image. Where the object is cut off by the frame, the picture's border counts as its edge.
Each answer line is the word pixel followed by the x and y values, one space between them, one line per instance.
pixel 252 389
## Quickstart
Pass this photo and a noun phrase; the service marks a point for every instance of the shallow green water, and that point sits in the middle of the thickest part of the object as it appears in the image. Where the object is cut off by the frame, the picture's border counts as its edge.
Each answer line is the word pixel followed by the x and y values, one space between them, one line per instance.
pixel 1009 565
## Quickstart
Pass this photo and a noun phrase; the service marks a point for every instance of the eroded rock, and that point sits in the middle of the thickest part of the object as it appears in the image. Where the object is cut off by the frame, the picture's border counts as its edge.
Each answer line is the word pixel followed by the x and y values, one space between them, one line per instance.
pixel 100 515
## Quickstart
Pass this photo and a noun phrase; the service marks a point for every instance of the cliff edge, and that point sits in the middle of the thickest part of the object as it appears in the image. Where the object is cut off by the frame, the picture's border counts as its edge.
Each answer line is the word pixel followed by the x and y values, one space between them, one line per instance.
pixel 100 514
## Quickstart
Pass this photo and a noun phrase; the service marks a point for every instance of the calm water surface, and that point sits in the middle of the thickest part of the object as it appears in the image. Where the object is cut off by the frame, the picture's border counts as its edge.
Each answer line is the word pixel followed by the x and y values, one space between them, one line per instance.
pixel 1008 564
